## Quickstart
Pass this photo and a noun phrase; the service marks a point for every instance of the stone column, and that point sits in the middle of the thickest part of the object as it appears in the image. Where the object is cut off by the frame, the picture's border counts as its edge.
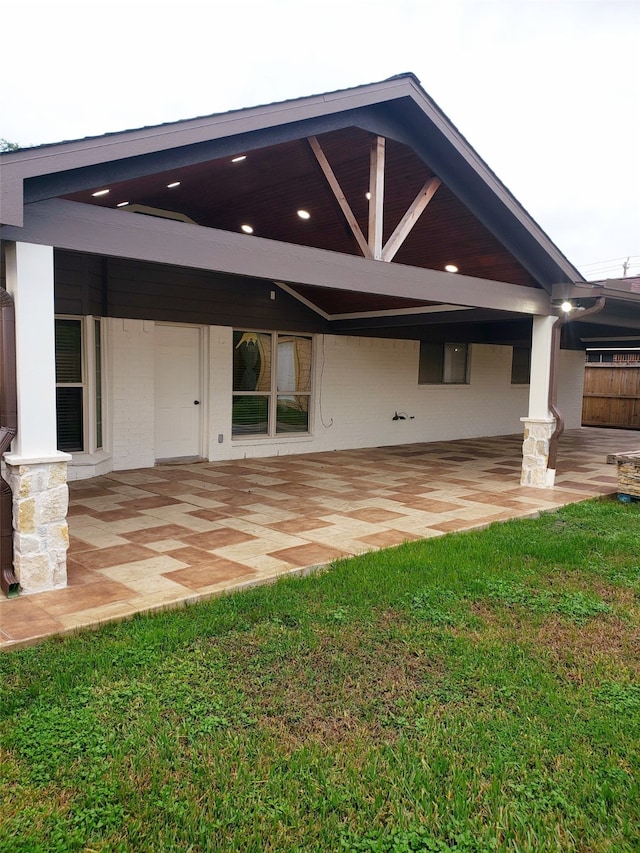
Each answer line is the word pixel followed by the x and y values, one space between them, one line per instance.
pixel 535 453
pixel 540 423
pixel 41 538
pixel 35 469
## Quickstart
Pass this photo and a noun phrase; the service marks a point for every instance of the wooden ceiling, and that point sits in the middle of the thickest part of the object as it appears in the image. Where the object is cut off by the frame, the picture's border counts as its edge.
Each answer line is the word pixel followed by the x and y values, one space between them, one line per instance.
pixel 267 188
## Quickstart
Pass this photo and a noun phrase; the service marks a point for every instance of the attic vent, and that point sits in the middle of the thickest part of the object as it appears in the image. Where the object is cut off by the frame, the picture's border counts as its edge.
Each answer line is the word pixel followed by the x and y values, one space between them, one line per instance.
pixel 159 213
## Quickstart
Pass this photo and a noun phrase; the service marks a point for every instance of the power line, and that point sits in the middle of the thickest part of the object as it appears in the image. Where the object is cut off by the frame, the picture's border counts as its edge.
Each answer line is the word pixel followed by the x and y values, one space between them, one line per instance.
pixel 613 267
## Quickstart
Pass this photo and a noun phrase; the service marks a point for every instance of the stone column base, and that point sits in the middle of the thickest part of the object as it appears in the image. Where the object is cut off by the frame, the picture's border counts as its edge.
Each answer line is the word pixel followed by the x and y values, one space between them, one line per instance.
pixel 535 453
pixel 41 535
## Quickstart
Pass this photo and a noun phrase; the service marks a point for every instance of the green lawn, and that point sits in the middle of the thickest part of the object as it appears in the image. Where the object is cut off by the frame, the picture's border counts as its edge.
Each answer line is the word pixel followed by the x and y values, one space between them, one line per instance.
pixel 476 692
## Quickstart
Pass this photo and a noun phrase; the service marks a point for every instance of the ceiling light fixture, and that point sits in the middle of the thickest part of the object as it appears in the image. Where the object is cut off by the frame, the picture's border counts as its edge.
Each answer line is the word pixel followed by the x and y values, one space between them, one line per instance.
pixel 451 268
pixel 367 196
pixel 247 229
pixel 174 184
pixel 122 204
pixel 99 192
pixel 239 158
pixel 566 307
pixel 304 214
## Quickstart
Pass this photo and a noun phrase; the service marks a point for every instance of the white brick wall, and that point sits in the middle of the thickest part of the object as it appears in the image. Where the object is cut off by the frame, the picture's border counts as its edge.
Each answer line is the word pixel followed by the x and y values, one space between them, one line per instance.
pixel 220 388
pixel 130 382
pixel 366 380
pixel 571 387
pixel 359 383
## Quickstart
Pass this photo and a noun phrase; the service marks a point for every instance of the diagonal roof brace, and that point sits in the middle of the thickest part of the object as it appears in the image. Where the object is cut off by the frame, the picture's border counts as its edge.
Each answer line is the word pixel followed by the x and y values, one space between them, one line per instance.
pixel 373 248
pixel 403 229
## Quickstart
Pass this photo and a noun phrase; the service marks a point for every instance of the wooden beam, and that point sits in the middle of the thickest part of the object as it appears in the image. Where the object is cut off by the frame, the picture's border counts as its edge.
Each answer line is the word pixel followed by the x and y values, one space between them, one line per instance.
pixel 329 174
pixel 410 218
pixel 376 193
pixel 102 231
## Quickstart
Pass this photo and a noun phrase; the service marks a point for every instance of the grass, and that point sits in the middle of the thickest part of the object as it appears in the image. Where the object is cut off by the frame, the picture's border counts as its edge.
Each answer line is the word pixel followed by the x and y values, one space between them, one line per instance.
pixel 472 693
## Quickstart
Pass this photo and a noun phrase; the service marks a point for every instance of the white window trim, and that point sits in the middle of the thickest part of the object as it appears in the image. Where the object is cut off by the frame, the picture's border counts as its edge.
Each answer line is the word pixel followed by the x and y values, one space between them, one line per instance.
pixel 442 383
pixel 272 436
pixel 91 455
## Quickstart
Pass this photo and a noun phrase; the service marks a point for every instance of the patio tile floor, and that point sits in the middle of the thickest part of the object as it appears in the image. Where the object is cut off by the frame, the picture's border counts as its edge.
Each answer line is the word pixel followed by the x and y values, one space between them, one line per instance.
pixel 148 539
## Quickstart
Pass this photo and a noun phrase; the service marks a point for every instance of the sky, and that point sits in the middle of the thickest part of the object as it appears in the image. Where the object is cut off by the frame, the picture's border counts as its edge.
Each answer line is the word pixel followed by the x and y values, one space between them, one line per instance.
pixel 546 91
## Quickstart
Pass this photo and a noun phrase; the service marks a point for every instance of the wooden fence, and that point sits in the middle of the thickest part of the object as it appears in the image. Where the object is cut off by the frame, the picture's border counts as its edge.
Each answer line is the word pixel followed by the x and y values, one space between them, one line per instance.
pixel 611 395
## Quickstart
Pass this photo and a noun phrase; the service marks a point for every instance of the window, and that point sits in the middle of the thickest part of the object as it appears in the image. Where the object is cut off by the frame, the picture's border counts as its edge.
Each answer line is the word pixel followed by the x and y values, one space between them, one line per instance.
pixel 443 364
pixel 78 384
pixel 520 366
pixel 271 383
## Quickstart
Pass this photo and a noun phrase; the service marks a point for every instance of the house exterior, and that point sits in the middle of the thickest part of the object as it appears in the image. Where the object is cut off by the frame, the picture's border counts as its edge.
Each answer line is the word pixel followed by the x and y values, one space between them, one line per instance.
pixel 332 272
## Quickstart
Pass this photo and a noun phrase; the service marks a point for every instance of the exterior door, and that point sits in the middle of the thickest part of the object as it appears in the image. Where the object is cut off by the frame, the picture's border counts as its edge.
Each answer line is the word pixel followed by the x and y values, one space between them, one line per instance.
pixel 178 388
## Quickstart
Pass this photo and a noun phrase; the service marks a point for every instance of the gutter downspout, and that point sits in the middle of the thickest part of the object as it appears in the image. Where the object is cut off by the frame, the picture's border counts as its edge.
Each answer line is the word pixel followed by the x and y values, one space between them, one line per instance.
pixel 8 429
pixel 553 371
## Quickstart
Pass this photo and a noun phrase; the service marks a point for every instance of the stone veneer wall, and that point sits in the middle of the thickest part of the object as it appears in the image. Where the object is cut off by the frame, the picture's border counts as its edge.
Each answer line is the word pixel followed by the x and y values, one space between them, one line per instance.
pixel 41 537
pixel 535 453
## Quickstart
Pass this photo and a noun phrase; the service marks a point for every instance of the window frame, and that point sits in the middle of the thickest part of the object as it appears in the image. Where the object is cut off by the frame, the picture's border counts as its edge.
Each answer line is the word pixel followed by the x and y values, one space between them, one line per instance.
pixel 515 379
pixel 441 363
pixel 92 369
pixel 273 394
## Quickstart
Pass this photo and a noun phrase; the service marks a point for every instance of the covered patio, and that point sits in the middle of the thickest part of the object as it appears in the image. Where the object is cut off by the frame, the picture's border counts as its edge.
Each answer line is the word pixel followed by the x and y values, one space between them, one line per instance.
pixel 149 539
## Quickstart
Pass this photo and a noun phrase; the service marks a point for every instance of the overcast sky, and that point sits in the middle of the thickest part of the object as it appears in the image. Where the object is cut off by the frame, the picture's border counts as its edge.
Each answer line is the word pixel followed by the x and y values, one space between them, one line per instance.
pixel 546 91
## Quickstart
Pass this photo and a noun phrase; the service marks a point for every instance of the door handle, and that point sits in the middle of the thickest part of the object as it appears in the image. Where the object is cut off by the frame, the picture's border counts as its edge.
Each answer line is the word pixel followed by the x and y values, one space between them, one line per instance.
pixel 196 402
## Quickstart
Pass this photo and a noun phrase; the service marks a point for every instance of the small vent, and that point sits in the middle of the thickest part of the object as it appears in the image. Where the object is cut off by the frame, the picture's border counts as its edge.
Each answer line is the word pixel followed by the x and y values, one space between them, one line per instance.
pixel 159 213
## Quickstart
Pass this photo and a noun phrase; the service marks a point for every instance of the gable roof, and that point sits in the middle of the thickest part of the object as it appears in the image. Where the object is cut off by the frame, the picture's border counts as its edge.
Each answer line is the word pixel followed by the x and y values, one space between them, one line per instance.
pixel 422 142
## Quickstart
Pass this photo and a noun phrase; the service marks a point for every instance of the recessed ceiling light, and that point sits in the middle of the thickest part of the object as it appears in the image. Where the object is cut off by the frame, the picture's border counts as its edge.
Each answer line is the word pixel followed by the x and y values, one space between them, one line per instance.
pixel 174 184
pixel 99 192
pixel 451 268
pixel 122 204
pixel 247 229
pixel 304 214
pixel 239 158
pixel 367 196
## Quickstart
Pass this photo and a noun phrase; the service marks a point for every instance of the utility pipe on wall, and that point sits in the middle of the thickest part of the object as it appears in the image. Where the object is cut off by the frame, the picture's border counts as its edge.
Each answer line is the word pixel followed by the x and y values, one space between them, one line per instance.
pixel 8 429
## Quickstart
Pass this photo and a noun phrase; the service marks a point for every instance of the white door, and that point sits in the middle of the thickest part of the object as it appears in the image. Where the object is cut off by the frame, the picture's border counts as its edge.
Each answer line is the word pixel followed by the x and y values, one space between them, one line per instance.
pixel 177 391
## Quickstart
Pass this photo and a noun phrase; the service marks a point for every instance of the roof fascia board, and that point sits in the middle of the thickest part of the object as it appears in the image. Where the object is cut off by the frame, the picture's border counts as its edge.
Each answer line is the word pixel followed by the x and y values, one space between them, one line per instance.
pixel 105 173
pixel 88 228
pixel 614 314
pixel 461 169
pixel 466 174
pixel 147 140
pixel 613 289
pixel 78 154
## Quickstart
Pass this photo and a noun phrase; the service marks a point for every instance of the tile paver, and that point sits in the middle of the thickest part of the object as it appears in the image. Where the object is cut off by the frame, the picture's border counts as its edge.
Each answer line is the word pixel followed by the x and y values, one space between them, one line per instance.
pixel 148 539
